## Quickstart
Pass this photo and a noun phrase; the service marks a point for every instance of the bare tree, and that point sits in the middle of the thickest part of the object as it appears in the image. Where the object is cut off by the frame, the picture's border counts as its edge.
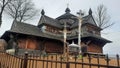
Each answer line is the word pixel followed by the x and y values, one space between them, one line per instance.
pixel 3 4
pixel 21 10
pixel 102 18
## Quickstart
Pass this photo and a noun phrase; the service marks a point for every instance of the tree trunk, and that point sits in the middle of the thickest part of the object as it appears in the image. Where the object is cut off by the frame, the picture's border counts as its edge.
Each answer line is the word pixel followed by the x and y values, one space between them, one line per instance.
pixel 1 16
pixel 1 12
pixel 0 20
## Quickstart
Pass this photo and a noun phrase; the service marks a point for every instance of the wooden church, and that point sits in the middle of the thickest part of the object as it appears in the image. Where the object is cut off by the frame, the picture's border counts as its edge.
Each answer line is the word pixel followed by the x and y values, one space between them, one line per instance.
pixel 48 36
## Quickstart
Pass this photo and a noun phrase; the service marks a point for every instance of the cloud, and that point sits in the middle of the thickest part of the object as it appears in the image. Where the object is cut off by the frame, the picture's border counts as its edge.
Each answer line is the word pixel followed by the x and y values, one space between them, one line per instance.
pixel 114 47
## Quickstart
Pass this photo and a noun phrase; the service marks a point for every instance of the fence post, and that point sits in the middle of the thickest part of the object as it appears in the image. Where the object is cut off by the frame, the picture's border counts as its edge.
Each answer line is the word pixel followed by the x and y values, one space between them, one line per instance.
pixel 89 58
pixel 25 60
pixel 0 65
pixel 67 65
pixel 98 60
pixel 75 60
pixel 118 60
pixel 107 60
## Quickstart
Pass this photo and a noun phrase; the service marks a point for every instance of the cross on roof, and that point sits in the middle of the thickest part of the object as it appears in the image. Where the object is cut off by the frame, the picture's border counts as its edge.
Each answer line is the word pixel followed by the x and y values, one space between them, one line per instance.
pixel 80 13
pixel 67 5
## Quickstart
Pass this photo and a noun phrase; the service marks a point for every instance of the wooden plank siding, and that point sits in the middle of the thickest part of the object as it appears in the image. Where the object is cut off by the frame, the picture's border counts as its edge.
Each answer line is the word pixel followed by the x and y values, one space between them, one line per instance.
pixel 28 44
pixel 94 48
pixel 34 44
pixel 54 47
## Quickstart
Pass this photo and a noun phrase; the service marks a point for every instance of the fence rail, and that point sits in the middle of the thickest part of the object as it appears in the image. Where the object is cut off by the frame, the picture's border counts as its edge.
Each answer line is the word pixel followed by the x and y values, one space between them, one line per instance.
pixel 57 61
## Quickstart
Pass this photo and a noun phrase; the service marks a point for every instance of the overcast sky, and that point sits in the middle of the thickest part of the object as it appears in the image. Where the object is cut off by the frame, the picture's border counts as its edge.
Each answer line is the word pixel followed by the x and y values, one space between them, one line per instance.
pixel 55 8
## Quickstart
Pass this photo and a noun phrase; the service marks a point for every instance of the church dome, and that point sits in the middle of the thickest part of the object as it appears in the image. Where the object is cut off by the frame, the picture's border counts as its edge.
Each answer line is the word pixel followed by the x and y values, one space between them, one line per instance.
pixel 67 18
pixel 67 15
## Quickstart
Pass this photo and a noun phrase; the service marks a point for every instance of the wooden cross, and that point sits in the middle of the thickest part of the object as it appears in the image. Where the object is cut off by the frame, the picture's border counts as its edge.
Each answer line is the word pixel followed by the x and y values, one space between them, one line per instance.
pixel 80 13
pixel 66 47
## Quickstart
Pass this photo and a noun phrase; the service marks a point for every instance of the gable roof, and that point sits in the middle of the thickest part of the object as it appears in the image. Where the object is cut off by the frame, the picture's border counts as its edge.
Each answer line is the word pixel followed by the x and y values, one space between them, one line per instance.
pixel 86 20
pixel 67 15
pixel 49 21
pixel 89 19
pixel 28 29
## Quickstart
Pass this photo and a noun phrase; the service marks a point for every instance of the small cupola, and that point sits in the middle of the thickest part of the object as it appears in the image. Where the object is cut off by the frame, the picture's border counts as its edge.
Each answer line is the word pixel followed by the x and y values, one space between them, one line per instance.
pixel 42 19
pixel 67 10
pixel 90 11
pixel 42 12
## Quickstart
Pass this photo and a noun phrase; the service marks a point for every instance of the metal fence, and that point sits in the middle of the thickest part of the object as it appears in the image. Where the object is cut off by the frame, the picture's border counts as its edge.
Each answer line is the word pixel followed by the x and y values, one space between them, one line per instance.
pixel 57 61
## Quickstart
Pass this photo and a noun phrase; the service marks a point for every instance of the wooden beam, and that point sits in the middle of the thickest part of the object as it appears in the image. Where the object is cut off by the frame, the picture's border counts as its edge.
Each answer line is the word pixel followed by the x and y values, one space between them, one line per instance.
pixel 26 45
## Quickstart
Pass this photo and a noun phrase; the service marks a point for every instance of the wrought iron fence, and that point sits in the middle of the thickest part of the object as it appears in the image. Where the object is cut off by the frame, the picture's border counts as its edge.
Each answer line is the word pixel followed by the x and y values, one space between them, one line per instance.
pixel 57 61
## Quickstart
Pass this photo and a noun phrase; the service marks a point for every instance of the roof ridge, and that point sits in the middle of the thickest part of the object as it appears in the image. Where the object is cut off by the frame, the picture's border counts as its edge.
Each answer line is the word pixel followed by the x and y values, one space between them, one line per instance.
pixel 64 15
pixel 17 23
pixel 49 21
pixel 49 17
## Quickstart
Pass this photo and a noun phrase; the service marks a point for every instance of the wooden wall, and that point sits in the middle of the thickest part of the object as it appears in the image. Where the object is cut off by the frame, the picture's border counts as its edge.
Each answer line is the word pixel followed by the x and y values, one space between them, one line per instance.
pixel 28 44
pixel 52 46
pixel 94 48
pixel 34 44
pixel 93 29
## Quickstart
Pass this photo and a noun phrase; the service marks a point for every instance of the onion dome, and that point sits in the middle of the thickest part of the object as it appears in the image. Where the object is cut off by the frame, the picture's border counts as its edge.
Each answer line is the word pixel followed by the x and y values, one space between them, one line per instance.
pixel 67 10
pixel 42 12
pixel 90 11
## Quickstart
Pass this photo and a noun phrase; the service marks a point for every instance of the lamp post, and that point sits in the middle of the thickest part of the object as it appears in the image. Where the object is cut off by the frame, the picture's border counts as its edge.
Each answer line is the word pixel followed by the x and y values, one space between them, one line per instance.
pixel 80 14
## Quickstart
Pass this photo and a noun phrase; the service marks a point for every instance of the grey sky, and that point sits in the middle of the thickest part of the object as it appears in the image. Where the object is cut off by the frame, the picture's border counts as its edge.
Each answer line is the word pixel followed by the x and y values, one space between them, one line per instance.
pixel 54 8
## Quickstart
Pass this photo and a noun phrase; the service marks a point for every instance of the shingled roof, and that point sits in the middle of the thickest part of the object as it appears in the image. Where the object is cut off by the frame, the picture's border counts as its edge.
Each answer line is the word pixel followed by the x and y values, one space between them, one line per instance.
pixel 85 20
pixel 48 20
pixel 66 16
pixel 90 37
pixel 89 19
pixel 69 17
pixel 28 29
